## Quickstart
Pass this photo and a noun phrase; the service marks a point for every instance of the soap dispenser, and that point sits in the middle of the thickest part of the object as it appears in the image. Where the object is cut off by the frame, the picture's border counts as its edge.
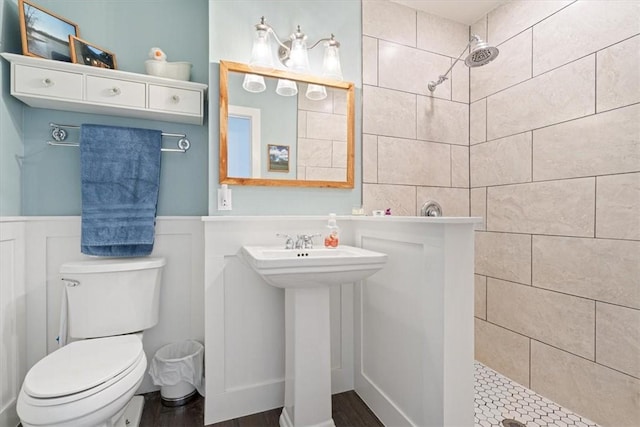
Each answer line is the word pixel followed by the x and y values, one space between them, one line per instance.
pixel 332 236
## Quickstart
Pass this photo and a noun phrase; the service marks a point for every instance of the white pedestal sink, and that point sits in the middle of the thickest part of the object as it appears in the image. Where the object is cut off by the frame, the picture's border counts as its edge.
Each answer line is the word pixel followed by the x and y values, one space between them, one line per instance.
pixel 306 275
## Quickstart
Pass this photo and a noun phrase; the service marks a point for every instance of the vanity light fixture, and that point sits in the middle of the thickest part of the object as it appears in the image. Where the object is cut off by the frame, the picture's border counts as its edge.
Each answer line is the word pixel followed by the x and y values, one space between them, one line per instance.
pixel 292 53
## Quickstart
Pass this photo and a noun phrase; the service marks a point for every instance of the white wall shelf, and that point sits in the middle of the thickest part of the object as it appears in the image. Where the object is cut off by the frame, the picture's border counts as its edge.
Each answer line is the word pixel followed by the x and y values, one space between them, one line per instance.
pixel 42 83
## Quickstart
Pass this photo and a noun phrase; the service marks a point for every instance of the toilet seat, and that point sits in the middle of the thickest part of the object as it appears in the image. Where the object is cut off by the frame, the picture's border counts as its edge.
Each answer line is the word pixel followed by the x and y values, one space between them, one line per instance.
pixel 98 395
pixel 82 366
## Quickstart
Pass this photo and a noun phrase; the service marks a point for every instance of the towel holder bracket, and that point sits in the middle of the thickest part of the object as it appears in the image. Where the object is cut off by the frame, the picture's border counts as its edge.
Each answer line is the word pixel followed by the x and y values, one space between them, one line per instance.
pixel 59 135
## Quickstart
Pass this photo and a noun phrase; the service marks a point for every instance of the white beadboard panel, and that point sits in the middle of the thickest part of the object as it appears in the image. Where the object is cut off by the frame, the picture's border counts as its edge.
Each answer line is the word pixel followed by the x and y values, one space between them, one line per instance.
pixel 554 207
pixel 599 269
pixel 618 338
pixel 405 68
pixel 601 144
pixel 501 161
pixel 13 349
pixel 504 256
pixel 388 112
pixel 245 320
pixel 612 399
pixel 581 29
pixel 564 321
pixel 502 350
pixel 389 21
pixel 478 121
pixel 369 61
pixel 618 206
pixel 441 35
pixel 617 74
pixel 560 95
pixel 516 16
pixel 380 338
pixel 411 162
pixel 52 241
pixel 453 201
pixel 400 198
pixel 512 66
pixel 369 158
pixel 398 299
pixel 439 120
pixel 254 343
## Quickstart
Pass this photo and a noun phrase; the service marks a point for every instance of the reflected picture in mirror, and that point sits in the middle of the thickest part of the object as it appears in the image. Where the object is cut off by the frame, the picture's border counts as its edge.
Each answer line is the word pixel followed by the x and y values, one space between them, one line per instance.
pixel 306 119
pixel 278 158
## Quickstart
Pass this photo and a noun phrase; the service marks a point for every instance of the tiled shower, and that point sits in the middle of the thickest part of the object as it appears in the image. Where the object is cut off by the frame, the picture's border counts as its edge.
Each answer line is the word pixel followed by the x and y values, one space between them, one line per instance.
pixel 544 143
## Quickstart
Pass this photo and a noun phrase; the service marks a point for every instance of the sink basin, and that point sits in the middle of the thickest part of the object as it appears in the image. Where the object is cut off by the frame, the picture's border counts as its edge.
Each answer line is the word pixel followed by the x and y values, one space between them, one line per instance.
pixel 307 268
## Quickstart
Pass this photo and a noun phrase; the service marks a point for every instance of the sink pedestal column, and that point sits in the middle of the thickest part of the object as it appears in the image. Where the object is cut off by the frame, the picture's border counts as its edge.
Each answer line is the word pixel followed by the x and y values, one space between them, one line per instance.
pixel 307 390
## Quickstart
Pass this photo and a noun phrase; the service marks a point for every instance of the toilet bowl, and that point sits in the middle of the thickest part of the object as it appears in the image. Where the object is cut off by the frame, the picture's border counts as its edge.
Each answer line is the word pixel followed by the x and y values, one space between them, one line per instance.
pixel 86 383
pixel 92 381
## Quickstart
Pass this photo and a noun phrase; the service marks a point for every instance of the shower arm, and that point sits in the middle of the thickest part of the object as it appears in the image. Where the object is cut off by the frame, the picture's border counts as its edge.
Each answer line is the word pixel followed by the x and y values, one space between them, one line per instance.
pixel 432 85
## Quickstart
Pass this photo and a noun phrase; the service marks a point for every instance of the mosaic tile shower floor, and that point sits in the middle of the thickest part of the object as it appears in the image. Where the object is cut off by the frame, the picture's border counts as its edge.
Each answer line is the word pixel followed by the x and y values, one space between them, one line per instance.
pixel 498 398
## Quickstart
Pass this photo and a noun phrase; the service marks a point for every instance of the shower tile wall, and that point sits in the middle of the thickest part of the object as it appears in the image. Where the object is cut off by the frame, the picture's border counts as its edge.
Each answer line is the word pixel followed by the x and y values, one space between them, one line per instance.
pixel 415 146
pixel 555 171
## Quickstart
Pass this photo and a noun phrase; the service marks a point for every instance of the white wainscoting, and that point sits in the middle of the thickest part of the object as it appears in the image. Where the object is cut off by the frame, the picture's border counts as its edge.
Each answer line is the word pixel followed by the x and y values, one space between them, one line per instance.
pixel 13 316
pixel 413 333
pixel 51 241
pixel 244 319
pixel 414 324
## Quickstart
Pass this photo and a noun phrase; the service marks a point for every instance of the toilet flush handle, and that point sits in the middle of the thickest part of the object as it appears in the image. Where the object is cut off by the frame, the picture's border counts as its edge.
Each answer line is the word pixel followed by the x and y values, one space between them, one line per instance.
pixel 71 283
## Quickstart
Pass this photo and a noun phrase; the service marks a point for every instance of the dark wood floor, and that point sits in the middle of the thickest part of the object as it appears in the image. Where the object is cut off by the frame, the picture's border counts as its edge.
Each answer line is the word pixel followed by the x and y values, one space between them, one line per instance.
pixel 348 411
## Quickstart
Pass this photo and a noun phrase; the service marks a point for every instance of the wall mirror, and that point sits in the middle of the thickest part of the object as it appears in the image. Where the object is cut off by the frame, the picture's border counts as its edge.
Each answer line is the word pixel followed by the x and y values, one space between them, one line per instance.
pixel 279 128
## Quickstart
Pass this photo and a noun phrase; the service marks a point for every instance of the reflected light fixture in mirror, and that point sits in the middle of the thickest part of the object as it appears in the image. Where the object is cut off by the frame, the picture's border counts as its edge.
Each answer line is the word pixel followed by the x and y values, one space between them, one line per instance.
pixel 254 83
pixel 292 53
pixel 277 119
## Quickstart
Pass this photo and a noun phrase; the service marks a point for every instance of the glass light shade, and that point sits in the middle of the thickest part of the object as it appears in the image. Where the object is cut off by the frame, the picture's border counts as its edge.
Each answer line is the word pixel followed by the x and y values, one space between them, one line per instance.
pixel 299 59
pixel 253 83
pixel 286 88
pixel 316 92
pixel 331 63
pixel 261 56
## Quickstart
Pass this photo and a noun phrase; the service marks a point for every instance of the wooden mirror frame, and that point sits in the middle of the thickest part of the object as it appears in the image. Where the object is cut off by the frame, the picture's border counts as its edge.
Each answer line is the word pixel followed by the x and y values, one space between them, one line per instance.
pixel 225 68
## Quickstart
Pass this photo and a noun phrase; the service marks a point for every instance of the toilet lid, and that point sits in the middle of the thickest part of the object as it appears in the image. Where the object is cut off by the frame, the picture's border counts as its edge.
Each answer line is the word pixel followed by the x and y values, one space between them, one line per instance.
pixel 82 365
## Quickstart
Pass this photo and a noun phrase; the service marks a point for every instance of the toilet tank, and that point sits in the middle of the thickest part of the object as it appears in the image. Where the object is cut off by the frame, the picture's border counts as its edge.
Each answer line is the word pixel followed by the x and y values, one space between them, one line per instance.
pixel 112 296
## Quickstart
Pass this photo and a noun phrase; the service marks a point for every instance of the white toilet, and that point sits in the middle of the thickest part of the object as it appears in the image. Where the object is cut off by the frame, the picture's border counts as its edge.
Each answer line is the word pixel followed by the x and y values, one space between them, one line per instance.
pixel 91 381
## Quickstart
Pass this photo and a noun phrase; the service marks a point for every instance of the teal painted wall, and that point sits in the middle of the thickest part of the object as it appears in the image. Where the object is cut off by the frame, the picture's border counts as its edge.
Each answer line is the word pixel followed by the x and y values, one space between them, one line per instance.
pixel 231 32
pixel 47 182
pixel 11 146
pixel 129 28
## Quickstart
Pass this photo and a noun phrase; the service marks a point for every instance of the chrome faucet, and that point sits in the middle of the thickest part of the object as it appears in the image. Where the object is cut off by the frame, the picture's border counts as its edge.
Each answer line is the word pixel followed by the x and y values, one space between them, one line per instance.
pixel 288 244
pixel 305 241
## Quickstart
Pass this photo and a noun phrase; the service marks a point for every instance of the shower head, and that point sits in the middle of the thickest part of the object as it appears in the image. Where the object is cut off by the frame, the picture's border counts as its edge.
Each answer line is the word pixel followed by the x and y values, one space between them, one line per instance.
pixel 481 54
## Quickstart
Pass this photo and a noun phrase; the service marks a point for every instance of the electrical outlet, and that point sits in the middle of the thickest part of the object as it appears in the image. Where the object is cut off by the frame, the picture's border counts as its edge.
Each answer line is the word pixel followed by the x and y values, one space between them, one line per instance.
pixel 224 199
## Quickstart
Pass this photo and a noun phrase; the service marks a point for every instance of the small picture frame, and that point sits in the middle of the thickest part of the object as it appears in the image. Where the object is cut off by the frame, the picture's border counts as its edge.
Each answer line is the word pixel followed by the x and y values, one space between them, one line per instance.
pixel 278 160
pixel 83 52
pixel 45 34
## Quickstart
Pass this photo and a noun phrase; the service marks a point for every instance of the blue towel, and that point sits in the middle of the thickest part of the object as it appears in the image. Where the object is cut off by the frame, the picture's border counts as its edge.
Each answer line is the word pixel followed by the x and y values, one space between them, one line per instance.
pixel 120 174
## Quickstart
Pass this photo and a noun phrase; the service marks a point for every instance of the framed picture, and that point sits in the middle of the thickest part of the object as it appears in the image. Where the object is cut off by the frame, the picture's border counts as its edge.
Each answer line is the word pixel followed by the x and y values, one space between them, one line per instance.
pixel 278 158
pixel 83 52
pixel 44 34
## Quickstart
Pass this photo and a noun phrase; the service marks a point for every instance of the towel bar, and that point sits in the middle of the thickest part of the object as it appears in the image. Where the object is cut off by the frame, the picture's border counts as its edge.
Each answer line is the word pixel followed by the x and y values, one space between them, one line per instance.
pixel 59 134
